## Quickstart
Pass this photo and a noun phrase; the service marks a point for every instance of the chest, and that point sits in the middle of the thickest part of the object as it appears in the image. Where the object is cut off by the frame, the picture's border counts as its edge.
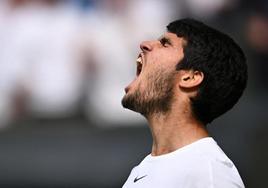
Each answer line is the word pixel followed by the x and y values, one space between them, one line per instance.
pixel 157 176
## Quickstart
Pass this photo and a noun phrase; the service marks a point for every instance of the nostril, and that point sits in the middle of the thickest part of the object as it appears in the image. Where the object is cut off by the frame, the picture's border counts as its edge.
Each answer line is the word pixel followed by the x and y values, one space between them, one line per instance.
pixel 145 46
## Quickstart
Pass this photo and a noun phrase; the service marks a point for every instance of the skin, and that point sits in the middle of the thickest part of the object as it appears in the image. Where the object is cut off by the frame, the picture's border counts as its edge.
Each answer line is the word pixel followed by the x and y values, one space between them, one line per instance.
pixel 162 94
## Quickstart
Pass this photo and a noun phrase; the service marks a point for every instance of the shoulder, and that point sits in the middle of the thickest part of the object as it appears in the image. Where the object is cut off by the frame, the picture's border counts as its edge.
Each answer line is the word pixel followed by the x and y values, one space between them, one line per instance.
pixel 206 165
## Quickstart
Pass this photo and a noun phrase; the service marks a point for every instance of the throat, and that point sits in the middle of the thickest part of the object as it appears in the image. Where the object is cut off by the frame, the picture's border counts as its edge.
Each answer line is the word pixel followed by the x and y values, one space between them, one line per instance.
pixel 170 134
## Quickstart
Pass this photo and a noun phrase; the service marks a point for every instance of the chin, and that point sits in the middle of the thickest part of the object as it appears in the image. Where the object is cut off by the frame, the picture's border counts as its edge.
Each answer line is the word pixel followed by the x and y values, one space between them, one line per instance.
pixel 129 101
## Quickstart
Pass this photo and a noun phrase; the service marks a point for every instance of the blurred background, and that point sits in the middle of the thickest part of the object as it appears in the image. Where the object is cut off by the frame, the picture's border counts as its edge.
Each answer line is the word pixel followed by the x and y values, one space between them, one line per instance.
pixel 63 68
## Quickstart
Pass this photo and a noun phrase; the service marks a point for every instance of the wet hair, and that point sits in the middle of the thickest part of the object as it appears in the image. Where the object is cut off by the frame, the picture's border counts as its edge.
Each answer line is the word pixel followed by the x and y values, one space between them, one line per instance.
pixel 222 62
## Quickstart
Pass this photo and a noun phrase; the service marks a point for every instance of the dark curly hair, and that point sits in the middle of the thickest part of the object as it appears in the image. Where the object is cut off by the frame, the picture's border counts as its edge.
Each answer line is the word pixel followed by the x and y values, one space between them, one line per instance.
pixel 222 62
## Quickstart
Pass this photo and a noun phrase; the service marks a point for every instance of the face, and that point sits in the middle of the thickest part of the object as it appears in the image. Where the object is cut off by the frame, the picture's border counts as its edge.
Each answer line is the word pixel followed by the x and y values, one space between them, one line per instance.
pixel 153 88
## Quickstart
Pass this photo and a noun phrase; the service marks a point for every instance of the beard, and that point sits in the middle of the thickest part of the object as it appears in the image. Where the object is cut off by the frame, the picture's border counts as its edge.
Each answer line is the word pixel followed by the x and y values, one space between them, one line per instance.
pixel 156 98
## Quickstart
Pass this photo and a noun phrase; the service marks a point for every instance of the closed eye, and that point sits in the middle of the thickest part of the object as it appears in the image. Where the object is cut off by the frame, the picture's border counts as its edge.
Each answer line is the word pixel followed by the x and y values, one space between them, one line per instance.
pixel 165 42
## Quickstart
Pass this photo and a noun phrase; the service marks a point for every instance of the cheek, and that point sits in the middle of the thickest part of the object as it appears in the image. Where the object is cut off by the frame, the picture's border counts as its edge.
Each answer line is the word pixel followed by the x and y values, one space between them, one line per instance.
pixel 168 58
pixel 174 59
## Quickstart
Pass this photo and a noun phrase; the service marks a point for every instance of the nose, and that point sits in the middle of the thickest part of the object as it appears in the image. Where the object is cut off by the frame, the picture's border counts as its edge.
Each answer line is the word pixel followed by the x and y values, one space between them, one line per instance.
pixel 146 46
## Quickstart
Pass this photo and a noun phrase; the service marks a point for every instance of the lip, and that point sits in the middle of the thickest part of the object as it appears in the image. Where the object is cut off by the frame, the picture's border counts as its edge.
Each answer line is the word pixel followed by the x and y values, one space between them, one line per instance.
pixel 127 89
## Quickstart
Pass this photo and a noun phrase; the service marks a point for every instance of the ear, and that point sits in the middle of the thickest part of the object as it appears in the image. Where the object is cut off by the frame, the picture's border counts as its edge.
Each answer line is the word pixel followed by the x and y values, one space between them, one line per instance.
pixel 190 78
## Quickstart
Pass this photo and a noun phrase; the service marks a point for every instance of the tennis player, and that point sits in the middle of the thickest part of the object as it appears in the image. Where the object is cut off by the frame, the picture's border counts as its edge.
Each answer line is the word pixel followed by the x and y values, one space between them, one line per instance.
pixel 185 79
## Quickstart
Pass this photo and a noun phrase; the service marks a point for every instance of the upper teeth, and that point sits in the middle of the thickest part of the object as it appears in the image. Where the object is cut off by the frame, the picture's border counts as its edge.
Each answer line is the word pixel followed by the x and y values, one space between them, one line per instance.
pixel 139 60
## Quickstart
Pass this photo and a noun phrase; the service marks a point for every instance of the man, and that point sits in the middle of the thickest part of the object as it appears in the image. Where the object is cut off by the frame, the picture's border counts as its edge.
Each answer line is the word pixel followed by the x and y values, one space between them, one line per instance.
pixel 187 78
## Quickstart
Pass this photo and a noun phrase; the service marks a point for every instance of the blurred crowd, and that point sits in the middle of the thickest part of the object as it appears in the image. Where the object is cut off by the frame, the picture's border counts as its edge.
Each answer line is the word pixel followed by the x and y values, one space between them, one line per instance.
pixel 73 58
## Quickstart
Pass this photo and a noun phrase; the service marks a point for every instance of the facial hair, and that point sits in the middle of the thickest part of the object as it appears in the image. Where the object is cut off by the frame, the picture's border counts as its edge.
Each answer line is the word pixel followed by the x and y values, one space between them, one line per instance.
pixel 156 98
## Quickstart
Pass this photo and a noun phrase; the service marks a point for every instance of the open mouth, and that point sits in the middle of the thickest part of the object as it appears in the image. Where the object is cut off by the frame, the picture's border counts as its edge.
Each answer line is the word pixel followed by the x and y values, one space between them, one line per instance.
pixel 139 65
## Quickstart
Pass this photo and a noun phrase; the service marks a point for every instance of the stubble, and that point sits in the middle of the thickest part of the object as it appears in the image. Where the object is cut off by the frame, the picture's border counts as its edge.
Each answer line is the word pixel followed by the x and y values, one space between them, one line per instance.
pixel 155 98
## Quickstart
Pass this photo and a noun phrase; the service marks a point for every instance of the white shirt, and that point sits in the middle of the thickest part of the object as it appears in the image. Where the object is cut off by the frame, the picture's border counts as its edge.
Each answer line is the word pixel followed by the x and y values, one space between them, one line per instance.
pixel 201 164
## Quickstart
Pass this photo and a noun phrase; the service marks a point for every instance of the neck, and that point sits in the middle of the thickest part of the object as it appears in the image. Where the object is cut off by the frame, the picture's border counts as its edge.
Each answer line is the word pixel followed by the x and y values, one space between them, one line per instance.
pixel 173 130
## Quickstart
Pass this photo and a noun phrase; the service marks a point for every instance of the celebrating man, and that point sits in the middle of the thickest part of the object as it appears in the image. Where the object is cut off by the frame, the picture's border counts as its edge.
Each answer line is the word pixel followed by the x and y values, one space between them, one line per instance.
pixel 185 79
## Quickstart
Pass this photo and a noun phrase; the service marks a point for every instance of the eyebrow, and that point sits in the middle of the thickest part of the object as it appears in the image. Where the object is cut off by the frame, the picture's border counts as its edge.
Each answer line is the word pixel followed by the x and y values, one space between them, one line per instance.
pixel 166 39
